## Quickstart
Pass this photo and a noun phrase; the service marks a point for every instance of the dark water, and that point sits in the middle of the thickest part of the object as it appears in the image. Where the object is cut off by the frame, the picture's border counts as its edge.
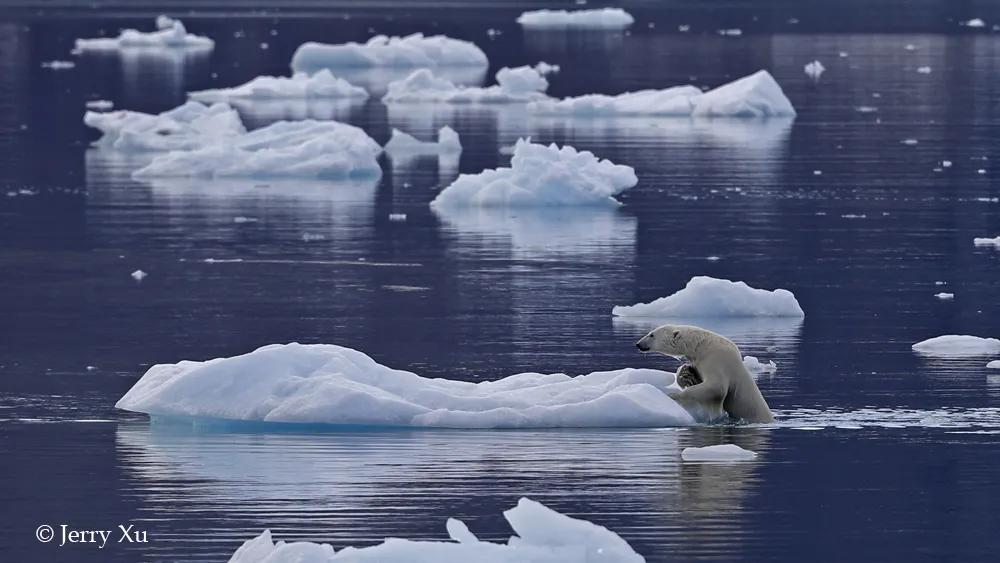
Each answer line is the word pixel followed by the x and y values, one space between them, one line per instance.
pixel 481 295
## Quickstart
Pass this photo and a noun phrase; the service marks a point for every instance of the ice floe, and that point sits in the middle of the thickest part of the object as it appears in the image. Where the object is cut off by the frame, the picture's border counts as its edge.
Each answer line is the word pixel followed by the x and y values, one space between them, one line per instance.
pixel 957 346
pixel 756 95
pixel 995 364
pixel 301 86
pixel 721 452
pixel 186 127
pixel 755 366
pixel 538 176
pixel 138 275
pixel 100 105
pixel 411 51
pixel 604 18
pixel 170 33
pixel 707 297
pixel 974 22
pixel 994 242
pixel 58 65
pixel 335 385
pixel 404 144
pixel 542 535
pixel 326 150
pixel 944 296
pixel 514 85
pixel 814 69
pixel 544 68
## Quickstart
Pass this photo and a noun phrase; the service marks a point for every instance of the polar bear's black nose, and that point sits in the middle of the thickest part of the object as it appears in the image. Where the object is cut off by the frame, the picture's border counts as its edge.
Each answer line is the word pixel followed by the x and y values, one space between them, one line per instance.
pixel 640 346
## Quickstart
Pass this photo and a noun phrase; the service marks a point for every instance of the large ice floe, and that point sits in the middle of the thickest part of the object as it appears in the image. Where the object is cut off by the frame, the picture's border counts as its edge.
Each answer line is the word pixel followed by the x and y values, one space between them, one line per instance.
pixel 186 127
pixel 539 176
pixel 326 150
pixel 301 86
pixel 170 33
pixel 411 51
pixel 707 297
pixel 603 18
pixel 326 384
pixel 957 346
pixel 521 84
pixel 199 141
pixel 542 536
pixel 756 95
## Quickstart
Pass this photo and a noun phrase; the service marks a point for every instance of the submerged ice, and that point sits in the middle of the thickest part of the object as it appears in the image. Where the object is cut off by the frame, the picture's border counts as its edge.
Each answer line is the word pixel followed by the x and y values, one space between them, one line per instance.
pixel 542 535
pixel 707 297
pixel 539 176
pixel 335 385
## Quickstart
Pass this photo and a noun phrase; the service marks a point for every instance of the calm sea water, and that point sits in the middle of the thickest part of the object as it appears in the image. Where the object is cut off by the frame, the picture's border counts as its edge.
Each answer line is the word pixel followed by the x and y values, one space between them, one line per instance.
pixel 879 455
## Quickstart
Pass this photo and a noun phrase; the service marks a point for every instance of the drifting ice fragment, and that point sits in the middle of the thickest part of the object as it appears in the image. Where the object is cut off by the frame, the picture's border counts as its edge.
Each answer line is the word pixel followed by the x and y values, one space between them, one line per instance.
pixel 606 18
pixel 544 68
pixel 102 105
pixel 974 22
pixel 755 366
pixel 954 345
pixel 814 70
pixel 721 452
pixel 521 84
pixel 944 296
pixel 186 127
pixel 138 275
pixel 301 86
pixel 412 51
pixel 707 297
pixel 170 34
pixel 58 65
pixel 995 242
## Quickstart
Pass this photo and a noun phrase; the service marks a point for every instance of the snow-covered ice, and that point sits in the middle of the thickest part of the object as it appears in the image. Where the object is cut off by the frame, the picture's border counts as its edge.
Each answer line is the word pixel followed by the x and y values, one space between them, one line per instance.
pixel 411 51
pixel 542 535
pixel 756 95
pixel 721 452
pixel 604 18
pixel 707 297
pixel 541 175
pixel 814 69
pixel 974 22
pixel 995 242
pixel 403 144
pixel 995 364
pixel 957 345
pixel 335 385
pixel 755 366
pixel 170 33
pixel 301 86
pixel 326 150
pixel 514 85
pixel 185 127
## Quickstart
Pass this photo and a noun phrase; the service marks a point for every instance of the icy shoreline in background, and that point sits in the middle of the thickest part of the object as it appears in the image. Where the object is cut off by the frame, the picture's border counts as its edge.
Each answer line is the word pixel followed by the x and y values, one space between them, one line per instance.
pixel 334 385
pixel 542 536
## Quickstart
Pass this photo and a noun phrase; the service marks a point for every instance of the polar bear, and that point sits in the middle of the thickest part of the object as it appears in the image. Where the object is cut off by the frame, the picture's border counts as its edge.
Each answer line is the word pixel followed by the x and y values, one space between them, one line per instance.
pixel 716 381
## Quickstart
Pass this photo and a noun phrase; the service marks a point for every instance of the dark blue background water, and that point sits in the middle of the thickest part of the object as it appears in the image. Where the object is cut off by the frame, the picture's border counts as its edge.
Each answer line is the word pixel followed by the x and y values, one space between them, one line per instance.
pixel 483 296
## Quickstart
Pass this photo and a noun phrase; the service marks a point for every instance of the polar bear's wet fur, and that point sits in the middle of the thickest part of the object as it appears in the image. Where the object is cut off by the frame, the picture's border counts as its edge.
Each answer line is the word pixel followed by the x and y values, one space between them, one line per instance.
pixel 726 385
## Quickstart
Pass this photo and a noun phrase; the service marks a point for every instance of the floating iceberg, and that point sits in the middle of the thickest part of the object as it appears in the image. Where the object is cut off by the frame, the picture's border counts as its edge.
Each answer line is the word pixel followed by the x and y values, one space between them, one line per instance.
pixel 814 69
pixel 541 175
pixel 957 346
pixel 707 297
pixel 301 86
pixel 521 84
pixel 543 536
pixel 757 95
pixel 606 18
pixel 404 144
pixel 326 150
pixel 721 452
pixel 995 364
pixel 755 366
pixel 987 242
pixel 170 33
pixel 412 51
pixel 186 127
pixel 334 385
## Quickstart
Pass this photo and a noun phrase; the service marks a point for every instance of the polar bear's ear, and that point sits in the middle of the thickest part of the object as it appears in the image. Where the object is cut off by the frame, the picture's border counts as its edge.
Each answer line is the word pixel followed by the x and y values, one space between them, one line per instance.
pixel 677 334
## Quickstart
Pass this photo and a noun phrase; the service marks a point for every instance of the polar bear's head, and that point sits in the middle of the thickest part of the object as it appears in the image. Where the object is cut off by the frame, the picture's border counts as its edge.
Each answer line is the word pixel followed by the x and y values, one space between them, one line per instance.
pixel 678 341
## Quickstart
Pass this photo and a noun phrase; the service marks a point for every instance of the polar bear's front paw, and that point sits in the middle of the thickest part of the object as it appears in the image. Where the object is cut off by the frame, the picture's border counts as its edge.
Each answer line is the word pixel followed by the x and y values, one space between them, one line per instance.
pixel 688 376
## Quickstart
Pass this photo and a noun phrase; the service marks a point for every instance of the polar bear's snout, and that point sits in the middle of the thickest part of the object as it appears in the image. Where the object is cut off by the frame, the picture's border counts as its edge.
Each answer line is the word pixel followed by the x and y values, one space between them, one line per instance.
pixel 644 344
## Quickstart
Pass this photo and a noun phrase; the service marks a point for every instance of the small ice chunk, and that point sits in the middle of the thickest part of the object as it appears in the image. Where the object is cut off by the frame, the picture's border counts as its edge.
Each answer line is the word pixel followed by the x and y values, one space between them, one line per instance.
pixel 542 536
pixel 138 275
pixel 242 219
pixel 944 296
pixel 514 85
pixel 814 70
pixel 946 163
pixel 411 51
pixel 170 34
pixel 541 175
pixel 974 22
pixel 100 105
pixel 910 47
pixel 604 18
pixel 301 86
pixel 755 366
pixel 405 145
pixel 734 32
pixel 910 142
pixel 924 69
pixel 335 385
pixel 397 217
pixel 957 345
pixel 995 364
pixel 995 242
pixel 684 28
pixel 544 68
pixel 58 65
pixel 866 109
pixel 843 54
pixel 707 297
pixel 721 452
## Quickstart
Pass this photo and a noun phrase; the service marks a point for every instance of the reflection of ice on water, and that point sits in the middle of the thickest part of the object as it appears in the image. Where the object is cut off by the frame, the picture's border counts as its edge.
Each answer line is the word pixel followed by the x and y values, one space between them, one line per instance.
pixel 259 113
pixel 155 76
